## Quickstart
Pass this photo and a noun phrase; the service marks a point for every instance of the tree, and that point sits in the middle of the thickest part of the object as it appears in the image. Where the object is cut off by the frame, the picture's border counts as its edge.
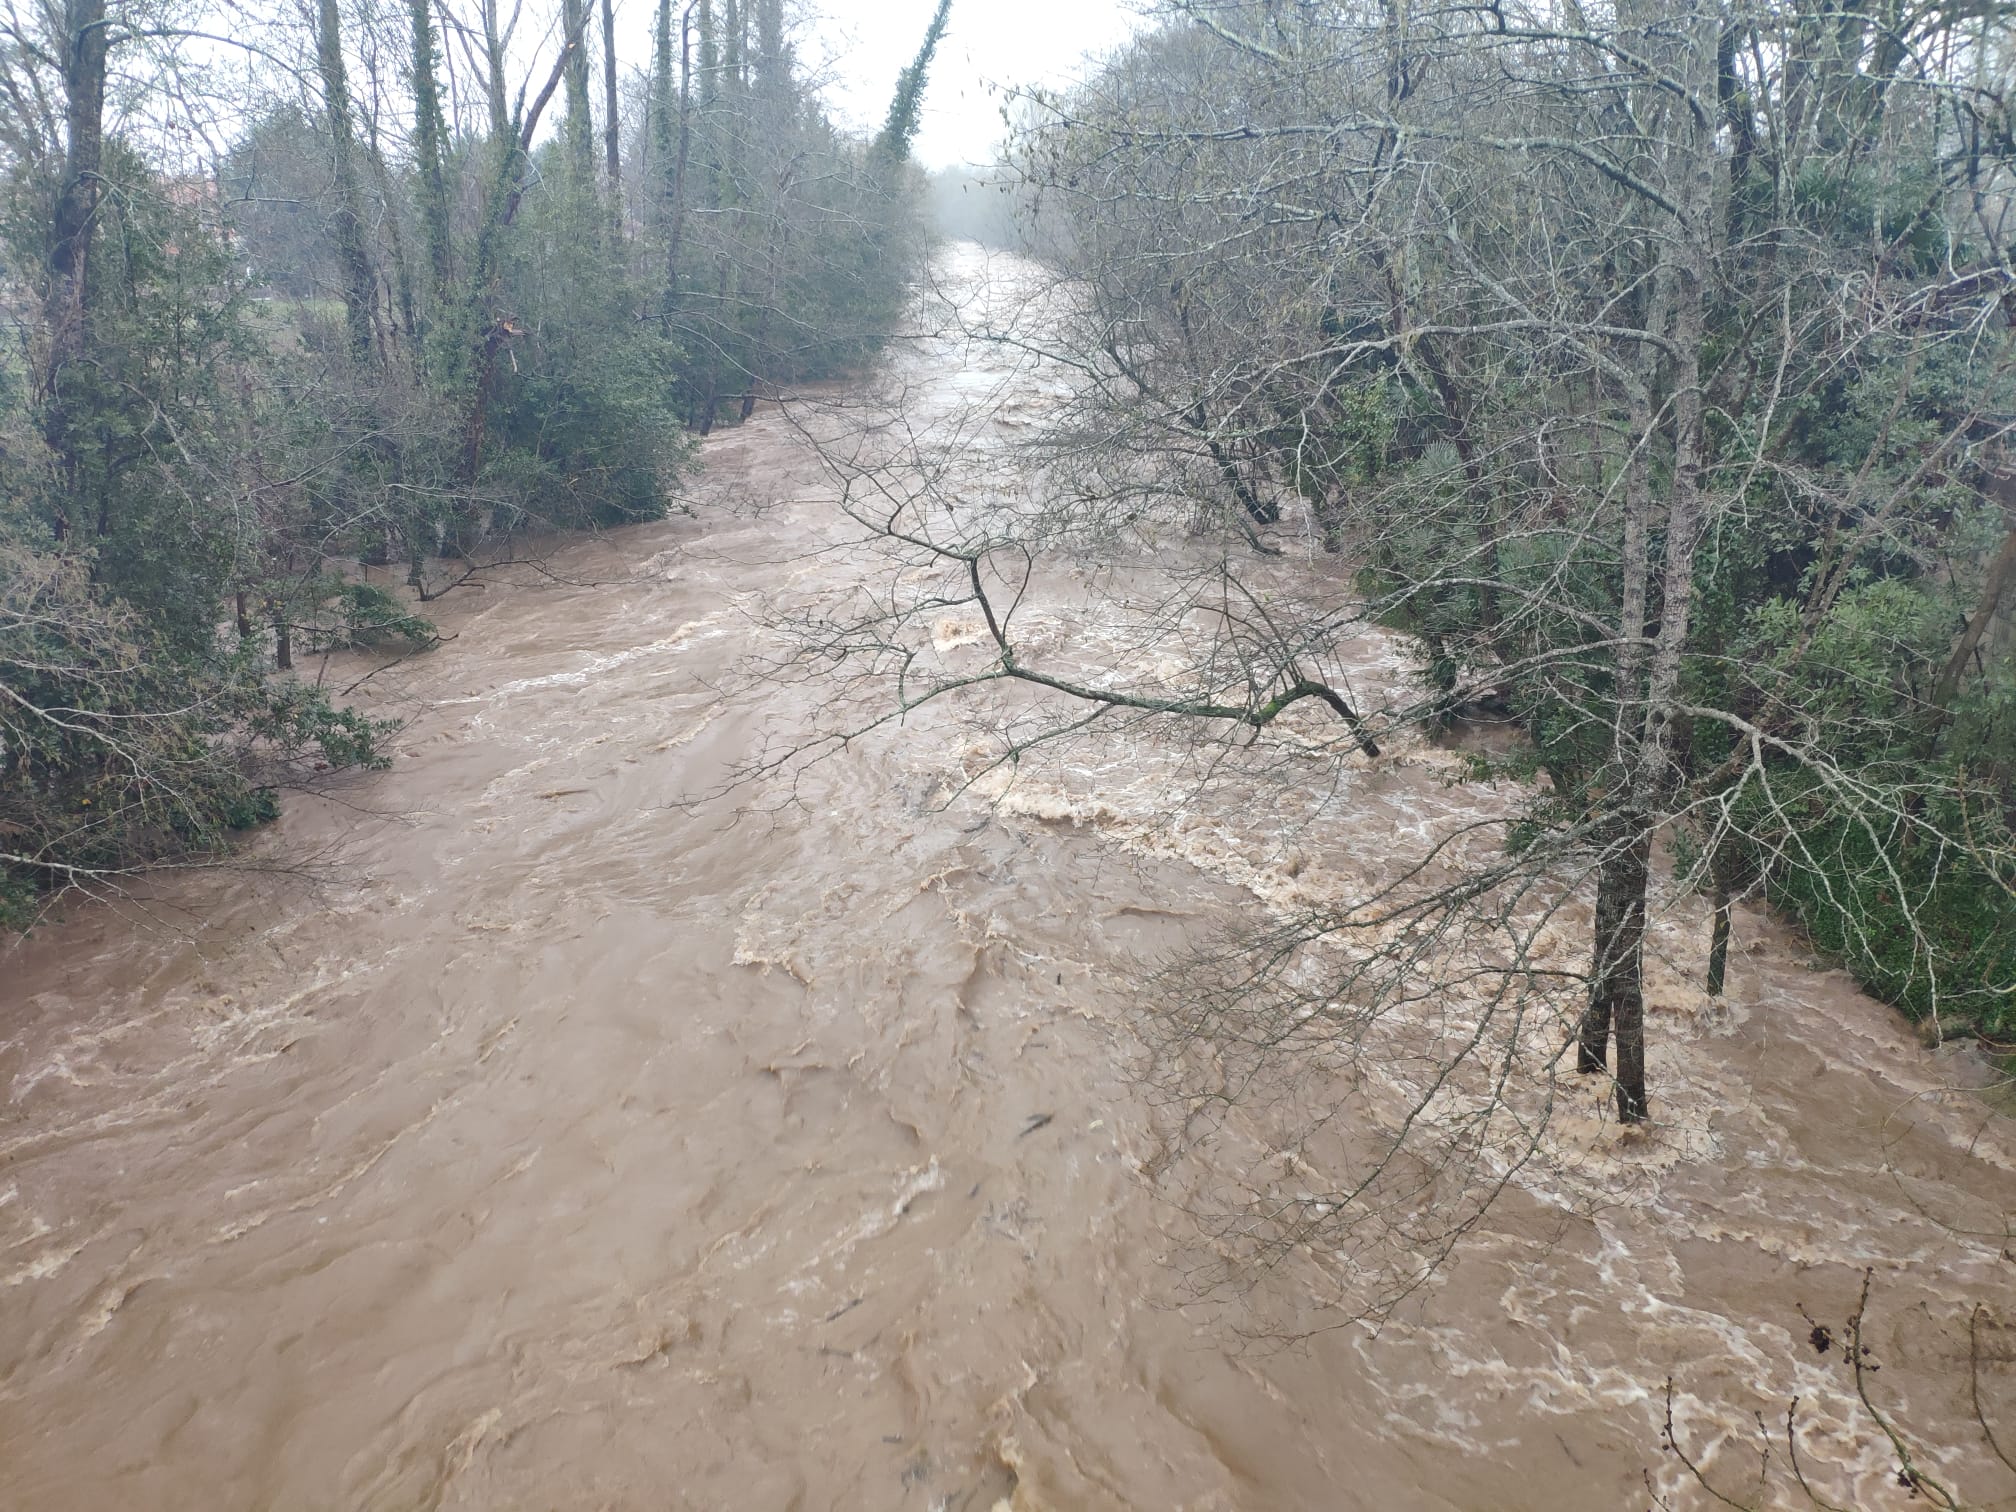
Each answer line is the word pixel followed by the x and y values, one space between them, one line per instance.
pixel 82 44
pixel 360 284
pixel 612 124
pixel 1576 394
pixel 892 143
pixel 430 131
pixel 220 444
pixel 671 139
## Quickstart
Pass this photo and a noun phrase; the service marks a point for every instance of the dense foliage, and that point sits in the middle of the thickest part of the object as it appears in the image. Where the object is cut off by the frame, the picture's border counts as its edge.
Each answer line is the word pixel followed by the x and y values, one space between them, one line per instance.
pixel 1650 367
pixel 268 401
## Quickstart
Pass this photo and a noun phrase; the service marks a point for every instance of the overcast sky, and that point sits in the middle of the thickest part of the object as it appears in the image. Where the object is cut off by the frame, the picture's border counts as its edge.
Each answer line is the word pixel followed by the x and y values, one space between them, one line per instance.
pixel 988 43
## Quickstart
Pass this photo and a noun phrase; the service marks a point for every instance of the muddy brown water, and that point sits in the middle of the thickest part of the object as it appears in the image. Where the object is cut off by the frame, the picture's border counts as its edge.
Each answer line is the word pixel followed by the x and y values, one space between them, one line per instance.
pixel 565 1145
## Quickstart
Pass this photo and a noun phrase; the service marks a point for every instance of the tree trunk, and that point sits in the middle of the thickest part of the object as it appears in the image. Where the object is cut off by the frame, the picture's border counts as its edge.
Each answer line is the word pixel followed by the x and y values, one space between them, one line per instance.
pixel 1646 756
pixel 580 126
pixel 773 72
pixel 347 224
pixel 1616 1003
pixel 493 48
pixel 1718 944
pixel 674 162
pixel 408 322
pixel 734 59
pixel 485 332
pixel 612 124
pixel 66 305
pixel 429 136
pixel 1632 1107
pixel 710 60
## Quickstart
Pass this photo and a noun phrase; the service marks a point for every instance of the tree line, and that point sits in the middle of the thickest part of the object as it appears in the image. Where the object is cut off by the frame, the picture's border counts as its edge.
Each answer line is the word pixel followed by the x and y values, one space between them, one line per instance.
pixel 1649 370
pixel 319 310
pixel 1644 371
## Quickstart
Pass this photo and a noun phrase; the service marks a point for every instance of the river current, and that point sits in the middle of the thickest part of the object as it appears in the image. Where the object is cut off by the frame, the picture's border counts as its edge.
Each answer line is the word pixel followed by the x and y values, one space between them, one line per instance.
pixel 556 1121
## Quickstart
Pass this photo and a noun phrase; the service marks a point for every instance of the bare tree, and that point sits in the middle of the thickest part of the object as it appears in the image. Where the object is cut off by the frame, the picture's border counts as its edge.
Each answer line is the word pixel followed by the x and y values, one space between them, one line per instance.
pixel 1487 303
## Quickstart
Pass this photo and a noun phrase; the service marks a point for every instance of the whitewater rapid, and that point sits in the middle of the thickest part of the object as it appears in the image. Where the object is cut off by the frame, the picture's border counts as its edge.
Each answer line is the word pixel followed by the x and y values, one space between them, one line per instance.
pixel 558 1121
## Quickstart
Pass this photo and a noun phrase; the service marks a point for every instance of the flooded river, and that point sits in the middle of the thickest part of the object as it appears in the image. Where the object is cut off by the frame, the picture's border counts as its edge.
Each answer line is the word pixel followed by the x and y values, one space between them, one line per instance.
pixel 583 1130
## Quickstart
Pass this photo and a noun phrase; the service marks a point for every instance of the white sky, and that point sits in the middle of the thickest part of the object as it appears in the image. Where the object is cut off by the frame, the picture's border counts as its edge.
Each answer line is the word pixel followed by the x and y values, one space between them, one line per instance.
pixel 856 46
pixel 987 43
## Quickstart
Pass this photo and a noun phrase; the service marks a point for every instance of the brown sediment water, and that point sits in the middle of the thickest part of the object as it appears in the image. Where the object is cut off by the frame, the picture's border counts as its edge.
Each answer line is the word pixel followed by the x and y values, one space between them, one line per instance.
pixel 590 1132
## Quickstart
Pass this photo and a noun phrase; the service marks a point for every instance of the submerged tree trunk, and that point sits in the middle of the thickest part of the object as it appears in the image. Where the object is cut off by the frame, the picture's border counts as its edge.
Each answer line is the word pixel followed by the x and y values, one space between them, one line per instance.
pixel 1646 772
pixel 1616 1003
pixel 1718 944
pixel 1723 877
